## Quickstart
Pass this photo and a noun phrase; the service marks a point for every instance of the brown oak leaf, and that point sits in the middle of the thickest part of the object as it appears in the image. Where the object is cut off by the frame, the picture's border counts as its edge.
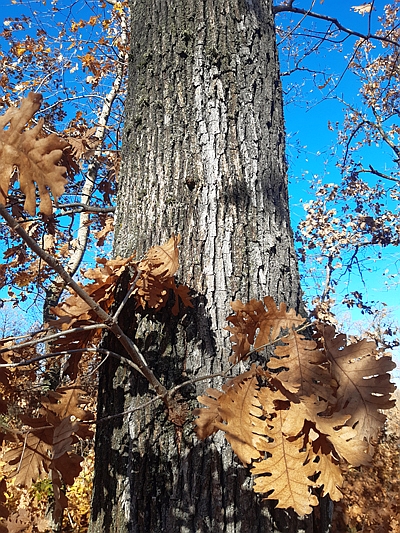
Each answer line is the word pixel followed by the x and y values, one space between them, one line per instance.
pixel 30 157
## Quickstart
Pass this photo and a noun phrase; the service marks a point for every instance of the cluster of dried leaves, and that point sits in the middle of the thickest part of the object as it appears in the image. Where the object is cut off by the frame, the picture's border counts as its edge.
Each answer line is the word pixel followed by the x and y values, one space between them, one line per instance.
pixel 42 445
pixel 38 444
pixel 315 403
pixel 153 287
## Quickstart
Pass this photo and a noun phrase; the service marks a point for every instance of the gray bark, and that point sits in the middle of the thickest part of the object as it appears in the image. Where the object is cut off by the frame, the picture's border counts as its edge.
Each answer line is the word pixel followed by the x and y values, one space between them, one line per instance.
pixel 204 156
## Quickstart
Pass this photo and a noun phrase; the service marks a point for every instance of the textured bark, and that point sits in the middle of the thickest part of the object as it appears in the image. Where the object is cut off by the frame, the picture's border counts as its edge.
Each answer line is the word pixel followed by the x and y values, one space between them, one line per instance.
pixel 204 156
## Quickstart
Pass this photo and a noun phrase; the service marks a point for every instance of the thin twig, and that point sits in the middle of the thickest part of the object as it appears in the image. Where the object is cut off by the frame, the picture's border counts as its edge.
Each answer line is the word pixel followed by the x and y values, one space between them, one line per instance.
pixel 170 393
pixel 48 338
pixel 78 207
pixel 96 368
pixel 292 30
pixel 127 296
pixel 130 347
pixel 289 8
pixel 271 343
pixel 39 358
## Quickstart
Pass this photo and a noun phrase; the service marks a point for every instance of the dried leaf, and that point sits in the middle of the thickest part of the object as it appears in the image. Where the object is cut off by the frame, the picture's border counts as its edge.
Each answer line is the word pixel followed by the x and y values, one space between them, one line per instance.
pixel 364 382
pixel 345 441
pixel 285 475
pixel 330 477
pixel 241 412
pixel 62 437
pixel 208 416
pixel 74 311
pixel 60 500
pixel 108 228
pixel 162 261
pixel 65 402
pixel 303 415
pixel 30 461
pixel 363 9
pixel 82 147
pixel 31 156
pixel 69 466
pixel 302 367
pixel 19 522
pixel 257 323
pixel 156 281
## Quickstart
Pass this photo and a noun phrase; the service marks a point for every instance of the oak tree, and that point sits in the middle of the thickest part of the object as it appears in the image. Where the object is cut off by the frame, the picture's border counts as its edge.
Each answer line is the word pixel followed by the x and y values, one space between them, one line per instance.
pixel 203 160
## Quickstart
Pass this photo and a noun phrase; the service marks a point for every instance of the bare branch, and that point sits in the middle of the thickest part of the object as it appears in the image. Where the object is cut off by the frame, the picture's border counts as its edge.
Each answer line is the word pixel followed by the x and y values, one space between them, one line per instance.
pixel 292 30
pixel 127 296
pixel 78 207
pixel 373 170
pixel 48 338
pixel 289 8
pixel 42 357
pixel 170 394
pixel 91 175
pixel 108 320
pixel 83 207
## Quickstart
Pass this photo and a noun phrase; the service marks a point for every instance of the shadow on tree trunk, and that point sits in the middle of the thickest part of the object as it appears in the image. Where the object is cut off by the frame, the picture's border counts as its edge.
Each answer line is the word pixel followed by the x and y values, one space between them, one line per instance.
pixel 155 477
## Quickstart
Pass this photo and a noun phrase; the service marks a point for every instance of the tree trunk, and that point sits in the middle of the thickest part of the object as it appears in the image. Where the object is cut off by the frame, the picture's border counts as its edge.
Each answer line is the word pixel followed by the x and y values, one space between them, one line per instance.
pixel 204 156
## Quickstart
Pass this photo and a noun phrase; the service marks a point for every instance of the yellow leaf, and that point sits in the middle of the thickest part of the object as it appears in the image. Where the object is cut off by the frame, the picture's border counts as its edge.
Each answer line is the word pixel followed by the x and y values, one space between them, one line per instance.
pixel 20 50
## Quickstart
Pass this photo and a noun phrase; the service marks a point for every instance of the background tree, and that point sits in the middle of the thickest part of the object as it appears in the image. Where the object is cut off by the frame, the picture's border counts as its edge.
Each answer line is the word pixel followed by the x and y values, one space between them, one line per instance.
pixel 78 61
pixel 351 222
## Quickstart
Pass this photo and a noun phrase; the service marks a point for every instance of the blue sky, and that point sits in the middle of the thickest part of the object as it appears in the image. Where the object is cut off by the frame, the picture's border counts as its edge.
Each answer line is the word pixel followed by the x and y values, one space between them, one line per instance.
pixel 313 151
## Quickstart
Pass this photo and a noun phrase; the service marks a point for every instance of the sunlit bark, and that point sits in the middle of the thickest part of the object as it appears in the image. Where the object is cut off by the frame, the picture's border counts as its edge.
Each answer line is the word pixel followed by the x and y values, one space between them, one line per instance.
pixel 204 156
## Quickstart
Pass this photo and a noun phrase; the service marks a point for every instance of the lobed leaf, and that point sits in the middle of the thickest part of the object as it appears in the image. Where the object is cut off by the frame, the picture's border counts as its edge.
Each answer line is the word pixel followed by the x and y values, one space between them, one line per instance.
pixel 345 442
pixel 303 368
pixel 31 157
pixel 162 261
pixel 157 282
pixel 75 312
pixel 241 413
pixel 364 381
pixel 285 475
pixel 30 461
pixel 65 402
pixel 257 324
pixel 330 476
pixel 209 415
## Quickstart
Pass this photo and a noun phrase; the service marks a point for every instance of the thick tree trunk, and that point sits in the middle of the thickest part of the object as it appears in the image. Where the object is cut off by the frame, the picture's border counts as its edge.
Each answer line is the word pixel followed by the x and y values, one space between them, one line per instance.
pixel 204 156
